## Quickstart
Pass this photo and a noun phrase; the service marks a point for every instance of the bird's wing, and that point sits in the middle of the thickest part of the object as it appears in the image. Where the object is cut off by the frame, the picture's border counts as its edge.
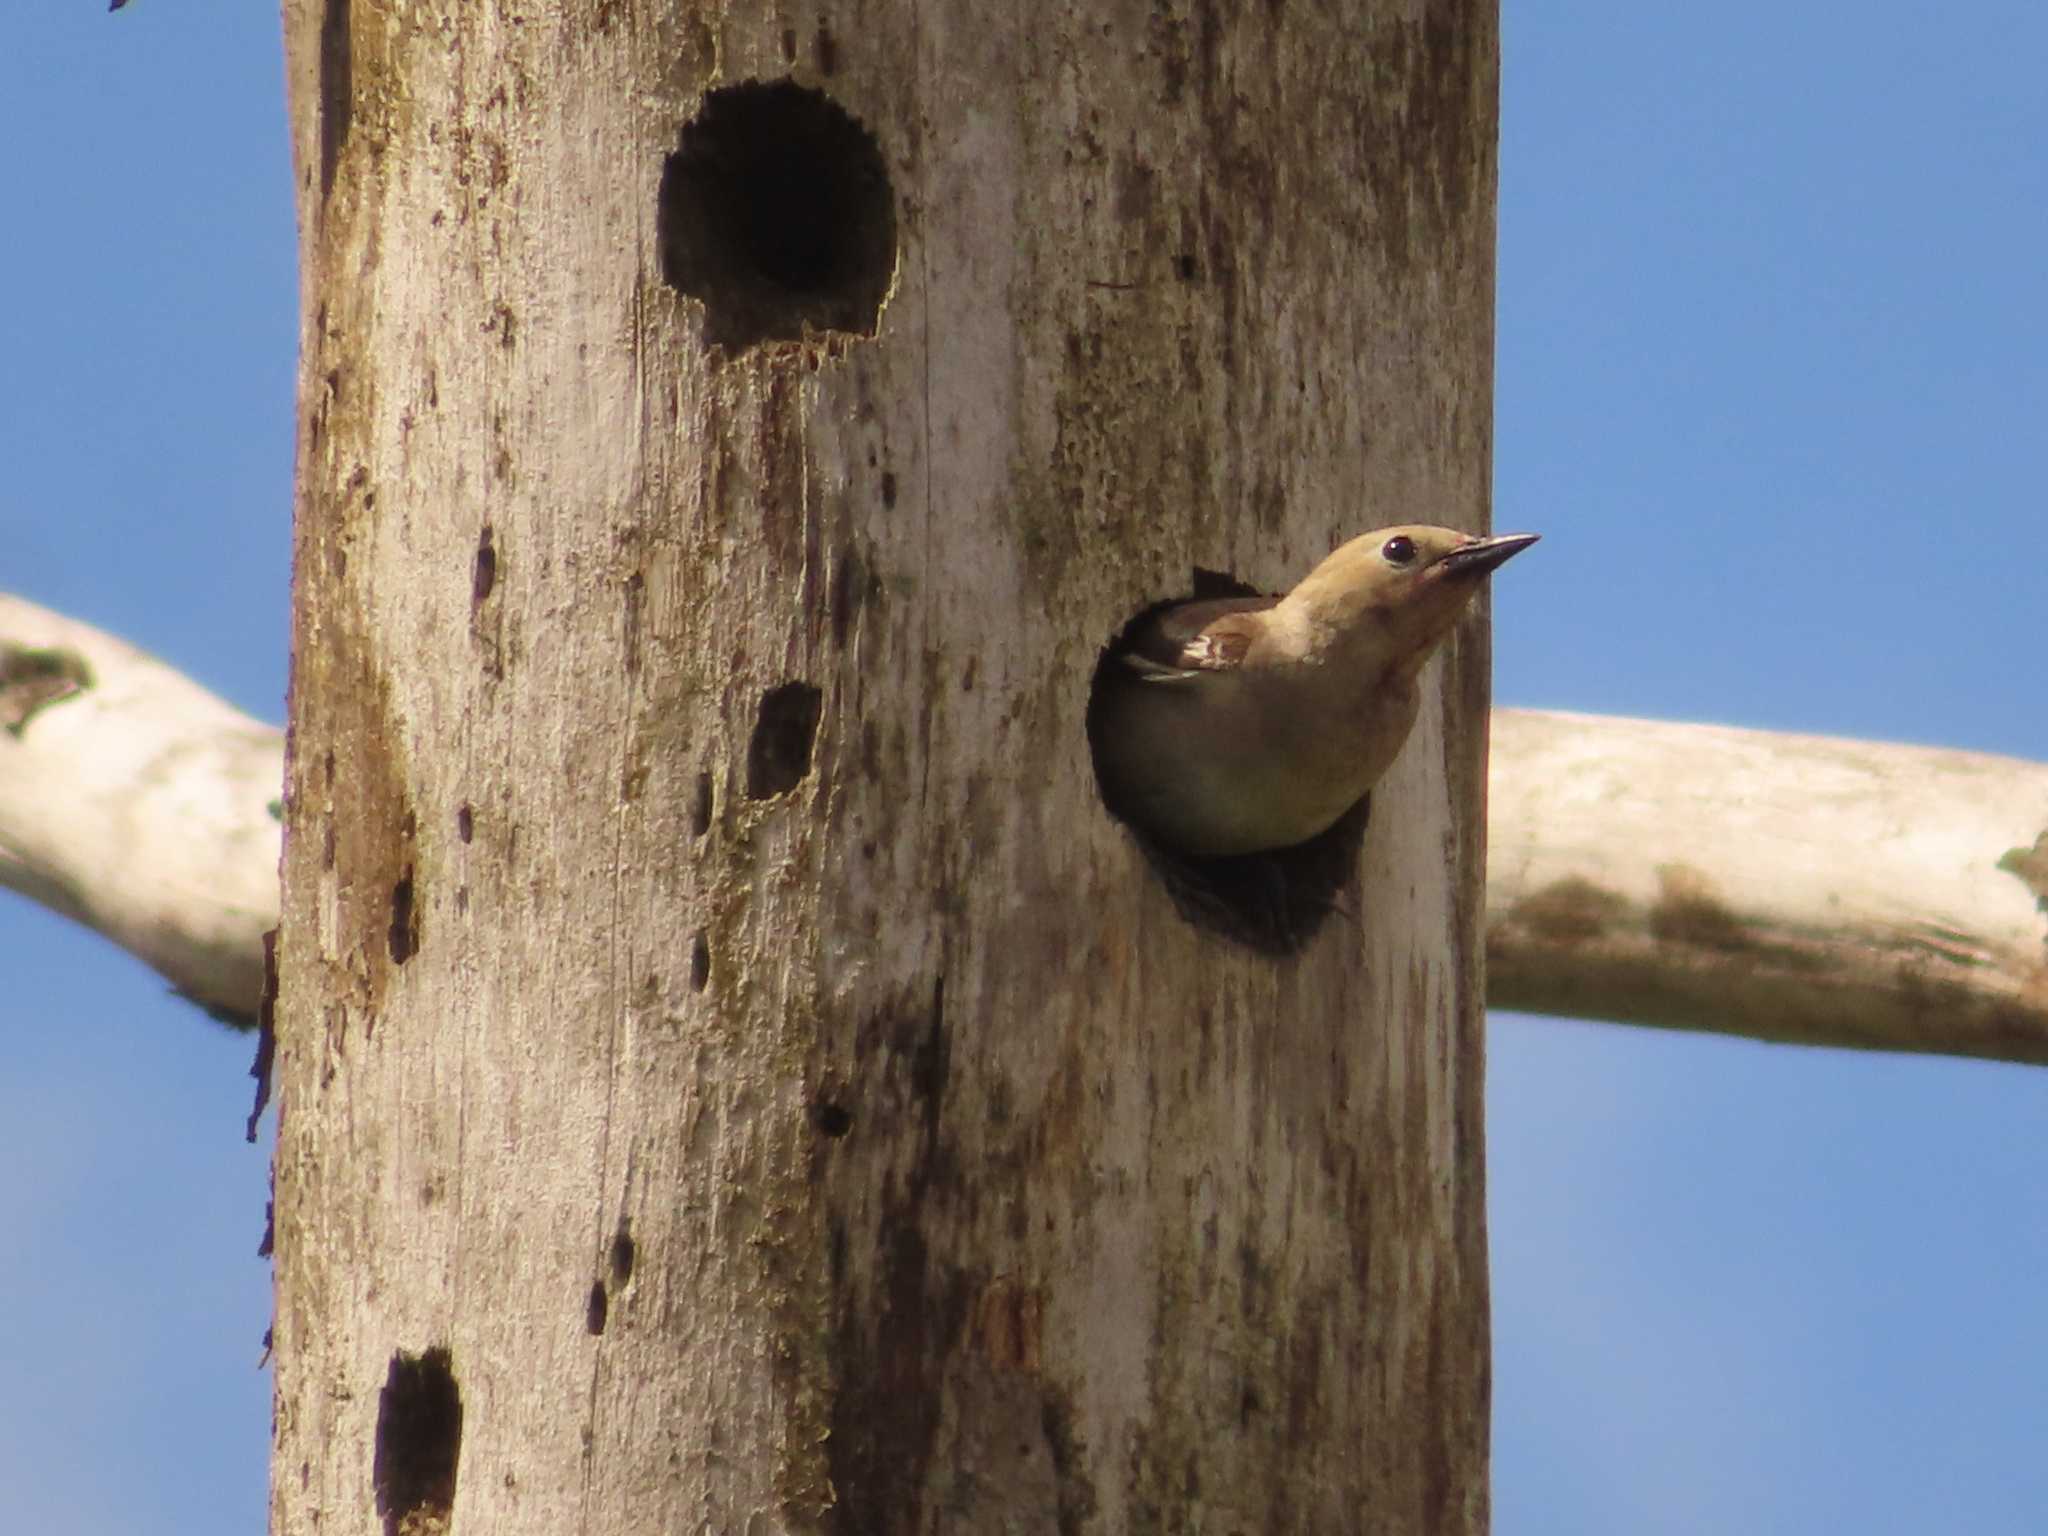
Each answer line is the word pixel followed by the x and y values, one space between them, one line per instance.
pixel 1189 639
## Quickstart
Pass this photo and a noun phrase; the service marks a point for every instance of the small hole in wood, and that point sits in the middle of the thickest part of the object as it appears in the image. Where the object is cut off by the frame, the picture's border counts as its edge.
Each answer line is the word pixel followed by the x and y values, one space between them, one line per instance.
pixel 779 755
pixel 483 574
pixel 835 1120
pixel 405 920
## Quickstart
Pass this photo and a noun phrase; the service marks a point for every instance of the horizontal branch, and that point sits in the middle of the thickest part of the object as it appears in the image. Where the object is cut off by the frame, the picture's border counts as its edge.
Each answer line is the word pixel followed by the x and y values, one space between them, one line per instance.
pixel 1791 888
pixel 141 805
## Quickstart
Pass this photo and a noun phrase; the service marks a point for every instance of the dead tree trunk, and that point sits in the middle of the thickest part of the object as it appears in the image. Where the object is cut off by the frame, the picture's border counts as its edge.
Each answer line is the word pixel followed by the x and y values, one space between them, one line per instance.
pixel 734 1075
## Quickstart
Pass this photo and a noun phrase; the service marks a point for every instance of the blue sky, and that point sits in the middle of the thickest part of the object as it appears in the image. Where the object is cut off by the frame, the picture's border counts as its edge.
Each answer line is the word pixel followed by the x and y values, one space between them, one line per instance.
pixel 1773 383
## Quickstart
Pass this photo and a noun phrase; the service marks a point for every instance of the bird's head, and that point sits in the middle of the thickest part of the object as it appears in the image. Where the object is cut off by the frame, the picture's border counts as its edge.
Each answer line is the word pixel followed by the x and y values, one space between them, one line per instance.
pixel 1397 592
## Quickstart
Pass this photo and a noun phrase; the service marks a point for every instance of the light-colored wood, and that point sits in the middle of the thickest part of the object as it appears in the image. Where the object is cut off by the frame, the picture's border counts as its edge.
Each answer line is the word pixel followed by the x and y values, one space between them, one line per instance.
pixel 81 811
pixel 967 1187
pixel 1788 887
pixel 1805 890
pixel 136 802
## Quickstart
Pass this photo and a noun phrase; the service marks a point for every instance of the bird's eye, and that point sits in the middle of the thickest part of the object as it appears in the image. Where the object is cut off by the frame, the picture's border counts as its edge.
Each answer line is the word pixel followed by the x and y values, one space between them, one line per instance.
pixel 1399 550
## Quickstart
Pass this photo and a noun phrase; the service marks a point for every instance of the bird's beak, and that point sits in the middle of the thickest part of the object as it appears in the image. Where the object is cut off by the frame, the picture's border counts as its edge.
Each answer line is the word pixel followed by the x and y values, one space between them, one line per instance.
pixel 1480 556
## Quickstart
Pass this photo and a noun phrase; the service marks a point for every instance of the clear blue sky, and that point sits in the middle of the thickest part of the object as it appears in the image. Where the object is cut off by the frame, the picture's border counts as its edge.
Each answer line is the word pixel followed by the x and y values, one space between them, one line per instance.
pixel 1772 384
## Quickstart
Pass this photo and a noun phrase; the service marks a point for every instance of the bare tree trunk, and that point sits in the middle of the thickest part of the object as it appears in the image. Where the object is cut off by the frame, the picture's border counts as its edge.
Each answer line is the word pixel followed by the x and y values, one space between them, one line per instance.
pixel 735 1077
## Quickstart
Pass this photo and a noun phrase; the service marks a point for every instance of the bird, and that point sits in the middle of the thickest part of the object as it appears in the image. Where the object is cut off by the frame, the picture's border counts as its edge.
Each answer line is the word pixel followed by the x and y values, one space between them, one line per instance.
pixel 1242 725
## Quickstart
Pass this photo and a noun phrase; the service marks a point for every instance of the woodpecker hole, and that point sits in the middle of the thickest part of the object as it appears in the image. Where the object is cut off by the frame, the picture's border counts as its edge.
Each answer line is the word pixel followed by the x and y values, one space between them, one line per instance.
pixel 700 963
pixel 776 213
pixel 779 755
pixel 597 1309
pixel 700 812
pixel 622 1255
pixel 419 1444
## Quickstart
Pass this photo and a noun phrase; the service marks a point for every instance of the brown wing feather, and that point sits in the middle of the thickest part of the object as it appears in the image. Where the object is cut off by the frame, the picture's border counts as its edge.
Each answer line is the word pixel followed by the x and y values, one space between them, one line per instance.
pixel 1207 636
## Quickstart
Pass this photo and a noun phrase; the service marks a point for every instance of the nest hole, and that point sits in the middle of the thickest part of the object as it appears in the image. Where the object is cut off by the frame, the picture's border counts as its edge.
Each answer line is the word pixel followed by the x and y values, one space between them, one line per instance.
pixel 776 213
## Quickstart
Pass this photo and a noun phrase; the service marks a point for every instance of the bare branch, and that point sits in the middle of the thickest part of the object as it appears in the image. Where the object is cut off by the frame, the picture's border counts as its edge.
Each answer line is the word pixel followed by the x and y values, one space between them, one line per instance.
pixel 136 802
pixel 1792 888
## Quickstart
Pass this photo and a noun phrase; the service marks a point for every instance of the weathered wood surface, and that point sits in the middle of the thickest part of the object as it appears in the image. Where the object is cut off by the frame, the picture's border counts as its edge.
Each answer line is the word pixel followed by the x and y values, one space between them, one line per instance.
pixel 785 1127
pixel 1798 888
